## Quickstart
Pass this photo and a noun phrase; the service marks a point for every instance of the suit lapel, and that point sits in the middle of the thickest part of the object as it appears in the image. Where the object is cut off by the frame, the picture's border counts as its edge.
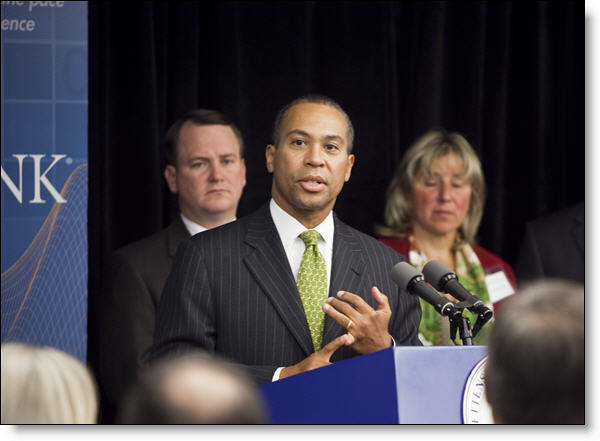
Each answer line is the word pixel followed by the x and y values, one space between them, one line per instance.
pixel 176 233
pixel 346 272
pixel 269 266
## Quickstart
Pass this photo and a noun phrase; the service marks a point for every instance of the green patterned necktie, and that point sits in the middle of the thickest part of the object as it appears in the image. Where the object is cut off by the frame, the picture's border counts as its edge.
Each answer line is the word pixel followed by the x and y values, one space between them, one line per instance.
pixel 312 286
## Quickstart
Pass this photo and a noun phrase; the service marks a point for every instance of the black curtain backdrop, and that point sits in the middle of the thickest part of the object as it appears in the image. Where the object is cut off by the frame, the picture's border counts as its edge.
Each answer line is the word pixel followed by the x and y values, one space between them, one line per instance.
pixel 507 75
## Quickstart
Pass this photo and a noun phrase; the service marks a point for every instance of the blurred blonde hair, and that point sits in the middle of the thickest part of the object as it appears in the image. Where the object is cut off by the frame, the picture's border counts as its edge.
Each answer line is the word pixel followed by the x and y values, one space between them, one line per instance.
pixel 43 385
pixel 435 143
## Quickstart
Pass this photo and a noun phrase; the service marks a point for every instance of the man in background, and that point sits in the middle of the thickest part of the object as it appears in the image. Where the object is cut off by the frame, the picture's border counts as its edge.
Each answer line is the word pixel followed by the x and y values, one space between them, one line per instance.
pixel 554 246
pixel 205 169
pixel 535 372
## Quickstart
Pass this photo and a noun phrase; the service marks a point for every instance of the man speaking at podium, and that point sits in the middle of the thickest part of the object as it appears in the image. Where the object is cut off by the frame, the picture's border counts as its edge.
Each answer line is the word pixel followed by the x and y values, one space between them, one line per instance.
pixel 289 288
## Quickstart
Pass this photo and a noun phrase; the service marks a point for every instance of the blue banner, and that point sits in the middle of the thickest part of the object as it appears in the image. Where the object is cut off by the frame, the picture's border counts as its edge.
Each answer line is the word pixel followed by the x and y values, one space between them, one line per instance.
pixel 44 174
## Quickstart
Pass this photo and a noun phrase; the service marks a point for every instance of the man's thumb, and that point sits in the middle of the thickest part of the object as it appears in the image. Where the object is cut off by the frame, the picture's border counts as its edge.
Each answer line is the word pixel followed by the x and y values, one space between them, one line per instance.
pixel 333 346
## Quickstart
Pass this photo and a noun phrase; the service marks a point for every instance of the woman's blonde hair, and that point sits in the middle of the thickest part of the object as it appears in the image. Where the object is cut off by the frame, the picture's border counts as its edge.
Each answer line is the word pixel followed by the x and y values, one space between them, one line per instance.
pixel 416 161
pixel 43 385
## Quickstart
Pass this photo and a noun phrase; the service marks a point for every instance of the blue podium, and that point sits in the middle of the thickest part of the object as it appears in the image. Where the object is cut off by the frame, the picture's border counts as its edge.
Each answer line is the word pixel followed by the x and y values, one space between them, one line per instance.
pixel 401 385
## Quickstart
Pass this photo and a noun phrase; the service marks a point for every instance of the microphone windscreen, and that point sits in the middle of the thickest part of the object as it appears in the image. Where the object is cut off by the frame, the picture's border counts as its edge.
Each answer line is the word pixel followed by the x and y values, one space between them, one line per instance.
pixel 402 273
pixel 434 272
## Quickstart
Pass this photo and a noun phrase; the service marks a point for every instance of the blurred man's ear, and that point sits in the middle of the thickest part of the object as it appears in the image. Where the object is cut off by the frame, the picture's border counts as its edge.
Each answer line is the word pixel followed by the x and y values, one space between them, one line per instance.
pixel 171 177
pixel 243 167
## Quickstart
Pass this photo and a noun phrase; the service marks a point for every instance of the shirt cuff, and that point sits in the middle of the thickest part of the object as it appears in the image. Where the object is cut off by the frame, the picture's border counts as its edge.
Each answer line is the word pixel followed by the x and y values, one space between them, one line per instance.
pixel 278 373
pixel 393 344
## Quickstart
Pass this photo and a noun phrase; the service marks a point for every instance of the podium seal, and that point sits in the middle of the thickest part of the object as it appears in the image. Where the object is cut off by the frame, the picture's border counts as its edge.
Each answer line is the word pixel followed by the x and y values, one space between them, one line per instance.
pixel 475 409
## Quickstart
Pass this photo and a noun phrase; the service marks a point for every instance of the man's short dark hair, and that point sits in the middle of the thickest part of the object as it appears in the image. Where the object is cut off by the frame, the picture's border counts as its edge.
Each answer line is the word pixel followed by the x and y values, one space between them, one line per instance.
pixel 215 393
pixel 536 356
pixel 200 117
pixel 315 99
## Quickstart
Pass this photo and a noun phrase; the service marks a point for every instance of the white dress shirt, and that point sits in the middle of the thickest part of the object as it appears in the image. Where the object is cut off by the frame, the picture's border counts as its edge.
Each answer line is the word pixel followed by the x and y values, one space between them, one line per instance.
pixel 289 230
pixel 193 227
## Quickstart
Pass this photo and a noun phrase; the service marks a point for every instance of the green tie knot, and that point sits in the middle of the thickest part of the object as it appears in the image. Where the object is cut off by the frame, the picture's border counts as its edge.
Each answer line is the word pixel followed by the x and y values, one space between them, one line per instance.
pixel 310 237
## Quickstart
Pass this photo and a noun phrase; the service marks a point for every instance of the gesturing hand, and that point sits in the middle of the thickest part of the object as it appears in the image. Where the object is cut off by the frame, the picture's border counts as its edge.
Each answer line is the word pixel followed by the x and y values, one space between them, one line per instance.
pixel 368 327
pixel 317 359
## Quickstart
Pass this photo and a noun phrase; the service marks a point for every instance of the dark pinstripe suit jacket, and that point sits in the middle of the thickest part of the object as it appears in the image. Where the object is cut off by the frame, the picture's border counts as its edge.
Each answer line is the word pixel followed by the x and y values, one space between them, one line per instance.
pixel 231 291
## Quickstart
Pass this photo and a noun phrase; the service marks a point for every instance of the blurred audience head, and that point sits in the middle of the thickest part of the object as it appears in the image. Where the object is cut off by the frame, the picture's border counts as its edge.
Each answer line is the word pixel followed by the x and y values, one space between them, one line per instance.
pixel 43 385
pixel 415 181
pixel 191 389
pixel 535 371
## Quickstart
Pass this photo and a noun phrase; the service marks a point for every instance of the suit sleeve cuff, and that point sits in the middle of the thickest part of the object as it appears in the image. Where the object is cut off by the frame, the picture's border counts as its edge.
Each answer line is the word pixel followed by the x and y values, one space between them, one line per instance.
pixel 277 373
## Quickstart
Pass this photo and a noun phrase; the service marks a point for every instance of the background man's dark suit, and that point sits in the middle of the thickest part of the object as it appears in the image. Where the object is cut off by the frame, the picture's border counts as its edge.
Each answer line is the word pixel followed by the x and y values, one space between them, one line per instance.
pixel 231 291
pixel 138 274
pixel 554 246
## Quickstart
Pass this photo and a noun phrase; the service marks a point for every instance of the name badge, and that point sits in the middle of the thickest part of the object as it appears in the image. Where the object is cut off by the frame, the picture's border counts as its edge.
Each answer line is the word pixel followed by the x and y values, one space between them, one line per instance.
pixel 498 286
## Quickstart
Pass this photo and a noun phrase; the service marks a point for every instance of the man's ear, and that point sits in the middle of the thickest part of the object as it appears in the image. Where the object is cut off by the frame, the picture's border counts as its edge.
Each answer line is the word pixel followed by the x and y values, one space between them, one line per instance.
pixel 349 169
pixel 171 178
pixel 270 156
pixel 243 170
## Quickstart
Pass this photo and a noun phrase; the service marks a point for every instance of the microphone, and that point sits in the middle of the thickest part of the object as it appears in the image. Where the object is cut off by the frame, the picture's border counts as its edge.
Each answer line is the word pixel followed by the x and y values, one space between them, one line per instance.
pixel 405 276
pixel 445 280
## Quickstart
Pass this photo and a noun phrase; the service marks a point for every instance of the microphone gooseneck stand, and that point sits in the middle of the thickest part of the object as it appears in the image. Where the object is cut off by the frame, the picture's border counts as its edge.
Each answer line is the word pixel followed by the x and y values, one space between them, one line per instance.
pixel 461 324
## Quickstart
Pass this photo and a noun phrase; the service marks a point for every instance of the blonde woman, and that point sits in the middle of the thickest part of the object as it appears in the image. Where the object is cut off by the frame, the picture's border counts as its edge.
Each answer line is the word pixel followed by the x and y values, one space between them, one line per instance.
pixel 43 385
pixel 433 209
